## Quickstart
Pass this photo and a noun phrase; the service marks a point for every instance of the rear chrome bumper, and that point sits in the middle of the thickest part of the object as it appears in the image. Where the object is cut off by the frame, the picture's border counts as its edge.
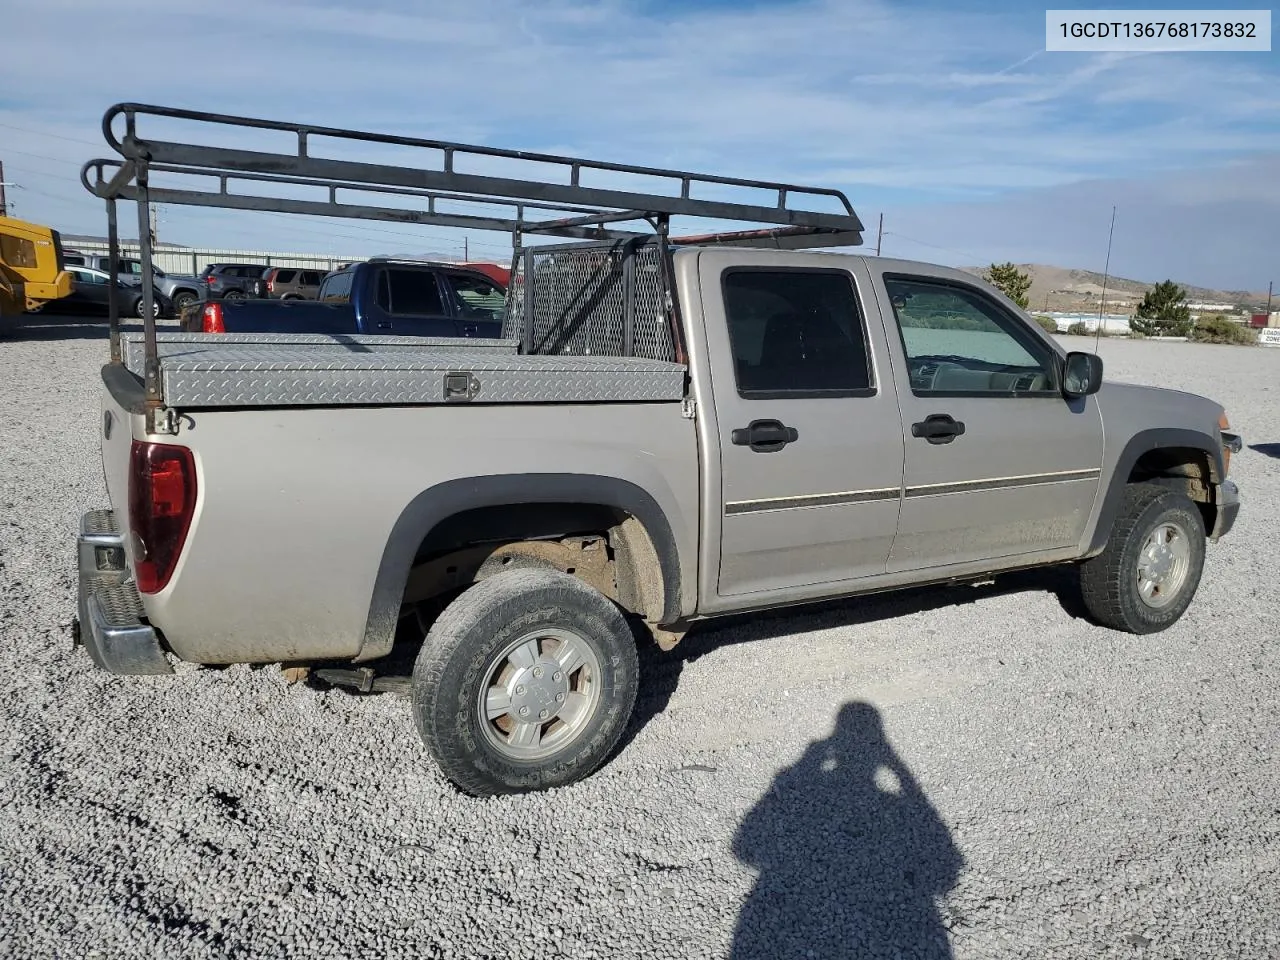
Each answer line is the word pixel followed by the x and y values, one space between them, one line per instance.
pixel 1227 505
pixel 111 619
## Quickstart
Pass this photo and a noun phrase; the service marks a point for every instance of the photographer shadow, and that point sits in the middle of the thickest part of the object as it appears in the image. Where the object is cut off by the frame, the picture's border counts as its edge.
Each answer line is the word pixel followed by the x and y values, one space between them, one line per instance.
pixel 852 856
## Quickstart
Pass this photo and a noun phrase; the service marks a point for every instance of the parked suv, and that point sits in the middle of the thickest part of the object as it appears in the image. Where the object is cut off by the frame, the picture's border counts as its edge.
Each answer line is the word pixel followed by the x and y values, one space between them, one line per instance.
pixel 292 283
pixel 233 281
pixel 177 289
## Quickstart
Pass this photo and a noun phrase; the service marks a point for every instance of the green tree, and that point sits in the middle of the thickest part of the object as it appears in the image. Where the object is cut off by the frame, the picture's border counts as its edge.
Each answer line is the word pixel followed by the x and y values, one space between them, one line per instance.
pixel 1163 312
pixel 1010 281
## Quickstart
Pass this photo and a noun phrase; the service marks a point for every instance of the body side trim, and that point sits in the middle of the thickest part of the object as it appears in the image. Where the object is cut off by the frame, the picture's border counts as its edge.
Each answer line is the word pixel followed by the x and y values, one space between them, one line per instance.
pixel 810 500
pixel 1000 483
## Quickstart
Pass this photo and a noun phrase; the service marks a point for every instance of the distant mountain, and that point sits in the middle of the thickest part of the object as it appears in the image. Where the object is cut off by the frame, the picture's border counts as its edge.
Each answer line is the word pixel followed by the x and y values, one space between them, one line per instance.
pixel 1067 290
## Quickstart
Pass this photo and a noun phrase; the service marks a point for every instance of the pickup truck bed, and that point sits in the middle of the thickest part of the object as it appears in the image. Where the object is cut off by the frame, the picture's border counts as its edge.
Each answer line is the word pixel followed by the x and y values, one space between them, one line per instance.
pixel 251 370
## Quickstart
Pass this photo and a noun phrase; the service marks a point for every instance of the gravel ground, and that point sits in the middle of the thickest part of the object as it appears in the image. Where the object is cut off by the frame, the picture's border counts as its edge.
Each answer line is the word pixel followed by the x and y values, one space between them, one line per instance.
pixel 974 772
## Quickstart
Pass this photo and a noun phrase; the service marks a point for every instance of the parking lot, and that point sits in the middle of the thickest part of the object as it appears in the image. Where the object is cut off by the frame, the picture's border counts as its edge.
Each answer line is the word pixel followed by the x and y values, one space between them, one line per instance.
pixel 973 769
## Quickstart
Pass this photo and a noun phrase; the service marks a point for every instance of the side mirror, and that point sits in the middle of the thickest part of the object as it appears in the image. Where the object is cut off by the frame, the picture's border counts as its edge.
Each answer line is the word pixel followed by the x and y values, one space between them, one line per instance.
pixel 1081 374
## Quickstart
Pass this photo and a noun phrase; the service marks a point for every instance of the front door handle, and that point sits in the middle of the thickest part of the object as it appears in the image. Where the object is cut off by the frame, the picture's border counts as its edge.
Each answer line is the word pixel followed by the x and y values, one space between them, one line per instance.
pixel 470 329
pixel 764 436
pixel 938 428
pixel 384 325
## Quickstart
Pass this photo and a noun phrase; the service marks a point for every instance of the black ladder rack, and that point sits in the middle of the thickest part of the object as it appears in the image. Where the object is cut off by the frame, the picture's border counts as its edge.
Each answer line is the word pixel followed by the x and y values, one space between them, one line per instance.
pixel 445 195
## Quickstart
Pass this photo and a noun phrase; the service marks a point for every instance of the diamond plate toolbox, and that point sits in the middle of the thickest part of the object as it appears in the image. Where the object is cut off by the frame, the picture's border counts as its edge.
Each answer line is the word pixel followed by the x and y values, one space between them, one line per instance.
pixel 258 374
pixel 133 349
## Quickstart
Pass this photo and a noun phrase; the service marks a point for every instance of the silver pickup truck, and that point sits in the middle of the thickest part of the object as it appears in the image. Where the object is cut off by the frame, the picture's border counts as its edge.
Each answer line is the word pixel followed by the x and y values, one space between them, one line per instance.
pixel 786 426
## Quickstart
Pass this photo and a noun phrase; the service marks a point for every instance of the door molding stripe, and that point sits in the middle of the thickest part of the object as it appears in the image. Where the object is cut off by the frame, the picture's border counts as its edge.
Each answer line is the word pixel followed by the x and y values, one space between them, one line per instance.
pixel 999 483
pixel 842 498
pixel 811 500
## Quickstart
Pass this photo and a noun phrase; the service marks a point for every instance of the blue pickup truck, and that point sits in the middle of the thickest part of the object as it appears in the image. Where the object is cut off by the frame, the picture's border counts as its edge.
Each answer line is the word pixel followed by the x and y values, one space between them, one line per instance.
pixel 380 296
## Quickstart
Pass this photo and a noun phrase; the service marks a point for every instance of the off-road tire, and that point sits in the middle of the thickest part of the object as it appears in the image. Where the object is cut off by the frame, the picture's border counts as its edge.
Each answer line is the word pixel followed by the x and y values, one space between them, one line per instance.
pixel 235 295
pixel 1109 581
pixel 460 649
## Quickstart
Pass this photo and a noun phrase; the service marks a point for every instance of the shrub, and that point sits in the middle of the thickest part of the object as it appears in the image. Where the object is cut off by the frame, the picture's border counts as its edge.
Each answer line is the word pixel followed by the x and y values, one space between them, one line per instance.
pixel 1048 324
pixel 1163 312
pixel 1078 329
pixel 1221 330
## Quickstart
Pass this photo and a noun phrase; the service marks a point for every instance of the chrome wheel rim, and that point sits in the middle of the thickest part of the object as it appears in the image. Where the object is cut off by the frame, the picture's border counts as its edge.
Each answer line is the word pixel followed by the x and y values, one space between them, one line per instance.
pixel 539 694
pixel 1163 565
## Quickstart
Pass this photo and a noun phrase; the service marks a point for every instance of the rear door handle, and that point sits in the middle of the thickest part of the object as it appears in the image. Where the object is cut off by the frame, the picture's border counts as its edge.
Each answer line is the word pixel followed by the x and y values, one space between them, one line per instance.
pixel 470 329
pixel 384 325
pixel 764 436
pixel 938 428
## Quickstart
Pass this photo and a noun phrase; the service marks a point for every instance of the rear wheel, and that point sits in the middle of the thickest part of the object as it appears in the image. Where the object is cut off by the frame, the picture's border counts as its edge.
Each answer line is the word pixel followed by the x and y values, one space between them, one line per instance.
pixel 524 682
pixel 1146 577
pixel 181 300
pixel 234 295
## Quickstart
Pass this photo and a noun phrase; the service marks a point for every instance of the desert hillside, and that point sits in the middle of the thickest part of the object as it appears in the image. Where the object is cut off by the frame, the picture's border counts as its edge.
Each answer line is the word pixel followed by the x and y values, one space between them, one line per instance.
pixel 1064 289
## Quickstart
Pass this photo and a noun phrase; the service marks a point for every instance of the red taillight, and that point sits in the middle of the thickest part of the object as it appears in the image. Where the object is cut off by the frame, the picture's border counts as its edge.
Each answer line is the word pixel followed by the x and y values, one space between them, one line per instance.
pixel 211 319
pixel 271 285
pixel 162 500
pixel 209 279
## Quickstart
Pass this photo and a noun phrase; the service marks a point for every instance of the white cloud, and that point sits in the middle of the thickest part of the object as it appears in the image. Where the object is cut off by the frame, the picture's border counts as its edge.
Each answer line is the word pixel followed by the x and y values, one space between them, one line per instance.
pixel 886 101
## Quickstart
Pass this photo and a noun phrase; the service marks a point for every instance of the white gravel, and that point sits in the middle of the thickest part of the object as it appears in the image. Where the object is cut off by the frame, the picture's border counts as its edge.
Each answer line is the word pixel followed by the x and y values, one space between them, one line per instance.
pixel 1004 779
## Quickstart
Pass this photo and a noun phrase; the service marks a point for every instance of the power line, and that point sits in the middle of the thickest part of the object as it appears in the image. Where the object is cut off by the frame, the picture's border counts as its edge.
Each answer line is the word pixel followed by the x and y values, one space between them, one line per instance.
pixel 41 156
pixel 924 243
pixel 55 136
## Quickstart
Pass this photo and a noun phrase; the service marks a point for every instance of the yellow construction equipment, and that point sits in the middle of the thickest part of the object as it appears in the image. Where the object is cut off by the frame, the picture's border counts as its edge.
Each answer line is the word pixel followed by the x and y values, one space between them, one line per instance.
pixel 31 268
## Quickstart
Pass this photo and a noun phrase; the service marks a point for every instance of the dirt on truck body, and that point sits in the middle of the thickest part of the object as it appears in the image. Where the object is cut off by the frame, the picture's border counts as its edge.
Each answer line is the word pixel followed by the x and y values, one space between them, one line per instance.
pixel 665 431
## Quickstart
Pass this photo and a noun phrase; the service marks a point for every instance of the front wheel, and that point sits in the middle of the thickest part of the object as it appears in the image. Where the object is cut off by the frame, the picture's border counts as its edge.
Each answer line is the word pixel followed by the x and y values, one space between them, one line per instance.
pixel 233 295
pixel 140 313
pixel 182 300
pixel 525 682
pixel 1146 576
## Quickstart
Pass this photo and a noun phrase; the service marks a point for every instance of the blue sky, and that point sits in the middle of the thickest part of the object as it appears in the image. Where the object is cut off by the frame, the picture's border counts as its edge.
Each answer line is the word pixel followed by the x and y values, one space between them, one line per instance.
pixel 949 119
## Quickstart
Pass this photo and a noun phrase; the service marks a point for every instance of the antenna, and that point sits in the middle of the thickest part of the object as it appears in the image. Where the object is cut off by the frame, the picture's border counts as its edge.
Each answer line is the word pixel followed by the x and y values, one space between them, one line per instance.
pixel 1106 273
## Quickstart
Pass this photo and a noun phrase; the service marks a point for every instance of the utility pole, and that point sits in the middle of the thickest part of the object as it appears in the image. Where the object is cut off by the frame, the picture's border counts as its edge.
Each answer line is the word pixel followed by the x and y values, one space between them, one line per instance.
pixel 1269 282
pixel 466 255
pixel 4 207
pixel 879 234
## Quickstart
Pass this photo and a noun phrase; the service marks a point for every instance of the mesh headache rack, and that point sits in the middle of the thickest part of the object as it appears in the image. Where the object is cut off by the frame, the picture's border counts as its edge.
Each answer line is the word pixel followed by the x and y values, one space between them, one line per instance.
pixel 612 295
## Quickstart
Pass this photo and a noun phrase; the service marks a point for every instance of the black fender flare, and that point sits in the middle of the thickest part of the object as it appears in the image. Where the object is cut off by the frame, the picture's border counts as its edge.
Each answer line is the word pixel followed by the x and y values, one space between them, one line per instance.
pixel 1141 443
pixel 442 501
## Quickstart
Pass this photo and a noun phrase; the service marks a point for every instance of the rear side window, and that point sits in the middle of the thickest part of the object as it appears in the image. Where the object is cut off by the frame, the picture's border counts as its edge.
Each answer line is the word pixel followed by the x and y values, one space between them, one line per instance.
pixel 414 292
pixel 796 333
pixel 477 297
pixel 309 278
pixel 285 276
pixel 337 288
